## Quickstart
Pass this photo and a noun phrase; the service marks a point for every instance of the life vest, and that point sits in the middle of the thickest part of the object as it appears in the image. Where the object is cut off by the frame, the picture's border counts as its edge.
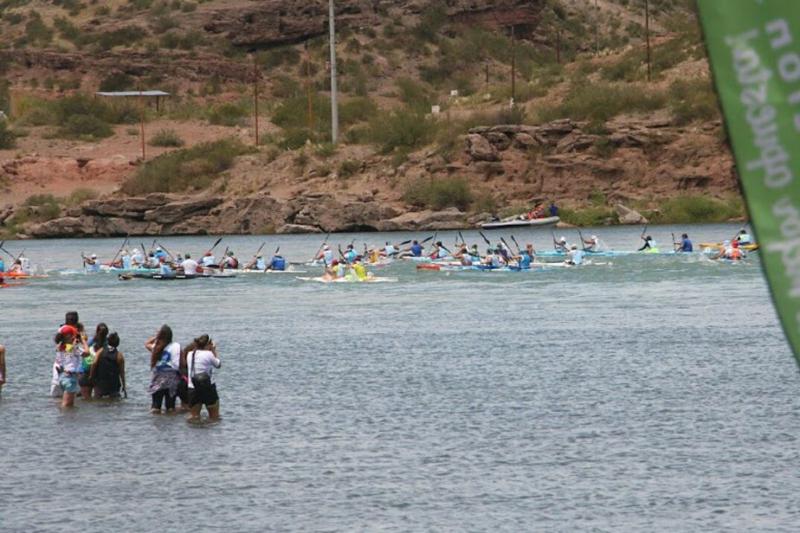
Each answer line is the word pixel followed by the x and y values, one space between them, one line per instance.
pixel 734 254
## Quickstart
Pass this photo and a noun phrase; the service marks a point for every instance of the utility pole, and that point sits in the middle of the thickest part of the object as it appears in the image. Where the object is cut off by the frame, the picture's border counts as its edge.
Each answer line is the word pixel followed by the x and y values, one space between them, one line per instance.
pixel 647 34
pixel 596 29
pixel 513 67
pixel 310 113
pixel 334 105
pixel 255 95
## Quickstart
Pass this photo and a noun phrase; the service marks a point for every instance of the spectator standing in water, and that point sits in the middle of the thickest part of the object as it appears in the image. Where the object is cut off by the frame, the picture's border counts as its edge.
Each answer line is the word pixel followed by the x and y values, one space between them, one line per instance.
pixel 165 356
pixel 201 361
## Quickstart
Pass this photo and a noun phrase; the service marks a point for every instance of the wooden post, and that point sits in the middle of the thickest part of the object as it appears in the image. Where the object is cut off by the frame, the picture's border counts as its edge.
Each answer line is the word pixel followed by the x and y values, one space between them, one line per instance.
pixel 255 95
pixel 596 29
pixel 513 67
pixel 144 154
pixel 558 45
pixel 647 36
pixel 310 115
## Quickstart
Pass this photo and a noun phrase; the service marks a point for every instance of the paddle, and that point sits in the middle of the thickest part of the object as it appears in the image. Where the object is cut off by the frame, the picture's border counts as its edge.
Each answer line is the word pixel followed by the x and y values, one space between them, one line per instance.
pixel 405 242
pixel 324 242
pixel 252 263
pixel 555 242
pixel 487 241
pixel 145 264
pixel 675 245
pixel 519 250
pixel 120 250
pixel 428 239
pixel 583 243
pixel 462 238
pixel 214 245
pixel 269 266
pixel 503 240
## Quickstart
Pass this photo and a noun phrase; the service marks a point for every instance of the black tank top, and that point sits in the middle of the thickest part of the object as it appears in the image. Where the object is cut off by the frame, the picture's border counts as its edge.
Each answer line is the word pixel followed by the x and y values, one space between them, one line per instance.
pixel 107 376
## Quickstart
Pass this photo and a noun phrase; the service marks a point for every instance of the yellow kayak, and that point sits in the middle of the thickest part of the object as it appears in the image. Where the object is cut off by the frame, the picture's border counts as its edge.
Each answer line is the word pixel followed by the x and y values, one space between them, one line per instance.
pixel 747 247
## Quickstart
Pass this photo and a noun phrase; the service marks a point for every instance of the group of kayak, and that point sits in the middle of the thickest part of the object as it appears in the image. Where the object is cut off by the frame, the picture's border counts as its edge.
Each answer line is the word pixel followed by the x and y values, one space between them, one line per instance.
pixel 158 262
pixel 348 264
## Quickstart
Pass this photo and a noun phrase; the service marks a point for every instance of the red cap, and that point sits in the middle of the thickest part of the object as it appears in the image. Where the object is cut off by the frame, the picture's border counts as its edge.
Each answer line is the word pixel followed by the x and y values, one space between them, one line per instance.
pixel 735 244
pixel 68 330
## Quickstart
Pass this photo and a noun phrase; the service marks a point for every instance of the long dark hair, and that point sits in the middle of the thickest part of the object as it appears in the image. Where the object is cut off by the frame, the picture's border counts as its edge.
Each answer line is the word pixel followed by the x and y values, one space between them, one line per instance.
pixel 100 335
pixel 163 339
pixel 71 318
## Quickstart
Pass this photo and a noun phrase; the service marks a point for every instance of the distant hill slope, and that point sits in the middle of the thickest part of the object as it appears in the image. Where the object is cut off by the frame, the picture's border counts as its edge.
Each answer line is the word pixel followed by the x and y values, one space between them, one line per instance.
pixel 580 64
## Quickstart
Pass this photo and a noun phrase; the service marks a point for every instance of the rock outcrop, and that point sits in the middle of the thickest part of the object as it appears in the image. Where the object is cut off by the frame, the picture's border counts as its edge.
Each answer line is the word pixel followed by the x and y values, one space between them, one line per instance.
pixel 277 22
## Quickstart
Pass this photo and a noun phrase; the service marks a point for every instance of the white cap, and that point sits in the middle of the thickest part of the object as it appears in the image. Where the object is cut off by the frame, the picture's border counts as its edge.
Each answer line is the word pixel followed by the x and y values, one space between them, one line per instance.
pixel 94 256
pixel 563 239
pixel 594 237
pixel 135 250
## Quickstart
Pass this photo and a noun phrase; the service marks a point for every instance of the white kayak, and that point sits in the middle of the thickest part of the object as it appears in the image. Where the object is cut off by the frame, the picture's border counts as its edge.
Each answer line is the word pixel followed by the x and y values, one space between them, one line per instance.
pixel 515 222
pixel 371 279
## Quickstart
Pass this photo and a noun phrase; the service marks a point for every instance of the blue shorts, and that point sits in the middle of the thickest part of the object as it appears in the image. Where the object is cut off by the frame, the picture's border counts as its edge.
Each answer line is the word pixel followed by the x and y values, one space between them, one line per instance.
pixel 69 382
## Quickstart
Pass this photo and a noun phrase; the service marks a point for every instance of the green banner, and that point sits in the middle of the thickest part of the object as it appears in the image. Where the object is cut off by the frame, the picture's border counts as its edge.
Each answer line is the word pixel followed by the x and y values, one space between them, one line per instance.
pixel 754 46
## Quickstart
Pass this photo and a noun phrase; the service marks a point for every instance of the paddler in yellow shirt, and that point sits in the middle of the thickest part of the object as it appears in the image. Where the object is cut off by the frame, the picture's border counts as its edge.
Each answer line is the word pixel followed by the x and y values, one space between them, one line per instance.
pixel 359 269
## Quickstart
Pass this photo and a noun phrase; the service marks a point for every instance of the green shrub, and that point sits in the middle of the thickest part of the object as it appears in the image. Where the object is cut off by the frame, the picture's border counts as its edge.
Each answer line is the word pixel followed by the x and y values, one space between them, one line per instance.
pixel 80 195
pixel 401 129
pixel 439 193
pixel 601 101
pixel 36 31
pixel 117 81
pixel 348 168
pixel 85 126
pixel 186 169
pixel 693 100
pixel 588 216
pixel 166 138
pixel 431 22
pixel 696 209
pixel 41 207
pixel 227 115
pixel 7 137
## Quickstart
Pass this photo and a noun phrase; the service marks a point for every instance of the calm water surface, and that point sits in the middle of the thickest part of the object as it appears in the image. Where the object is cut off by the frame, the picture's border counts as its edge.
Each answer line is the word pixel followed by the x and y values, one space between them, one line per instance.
pixel 643 394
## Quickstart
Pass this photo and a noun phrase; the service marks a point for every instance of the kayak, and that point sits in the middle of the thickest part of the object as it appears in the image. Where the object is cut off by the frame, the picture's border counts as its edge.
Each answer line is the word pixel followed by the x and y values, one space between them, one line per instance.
pixel 486 268
pixel 515 222
pixel 21 275
pixel 717 245
pixel 180 277
pixel 251 271
pixel 370 279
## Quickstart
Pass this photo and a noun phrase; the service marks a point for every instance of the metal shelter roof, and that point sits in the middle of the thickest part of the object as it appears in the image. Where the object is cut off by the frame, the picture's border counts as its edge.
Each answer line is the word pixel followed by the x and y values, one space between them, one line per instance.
pixel 132 93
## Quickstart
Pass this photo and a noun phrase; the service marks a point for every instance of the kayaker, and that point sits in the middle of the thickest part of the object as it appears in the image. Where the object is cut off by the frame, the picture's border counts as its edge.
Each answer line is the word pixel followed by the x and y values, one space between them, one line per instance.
pixel 208 260
pixel 277 262
pixel 685 244
pixel 575 256
pixel 531 252
pixel 91 264
pixel 108 370
pixel 160 254
pixel 561 245
pixel 462 254
pixel 504 252
pixel 3 374
pixel 69 349
pixel 257 264
pixel 592 244
pixel 439 251
pixel 189 266
pixel 744 237
pixel 137 258
pixel 165 358
pixel 126 260
pixel 164 269
pixel 325 255
pixel 524 260
pixel 2 264
pixel 350 254
pixel 201 362
pixel 389 250
pixel 230 262
pixel 359 269
pixel 649 245
pixel 731 251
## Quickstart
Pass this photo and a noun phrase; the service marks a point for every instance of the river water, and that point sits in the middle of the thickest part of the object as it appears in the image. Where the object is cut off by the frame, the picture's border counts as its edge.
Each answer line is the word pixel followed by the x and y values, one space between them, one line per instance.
pixel 642 394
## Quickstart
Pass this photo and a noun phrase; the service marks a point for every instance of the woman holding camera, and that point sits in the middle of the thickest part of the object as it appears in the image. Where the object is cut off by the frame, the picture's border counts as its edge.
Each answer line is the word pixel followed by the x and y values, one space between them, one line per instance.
pixel 201 360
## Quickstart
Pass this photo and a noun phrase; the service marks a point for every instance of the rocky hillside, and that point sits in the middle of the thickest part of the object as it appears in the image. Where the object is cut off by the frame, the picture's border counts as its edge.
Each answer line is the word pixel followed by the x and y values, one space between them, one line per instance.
pixel 429 138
